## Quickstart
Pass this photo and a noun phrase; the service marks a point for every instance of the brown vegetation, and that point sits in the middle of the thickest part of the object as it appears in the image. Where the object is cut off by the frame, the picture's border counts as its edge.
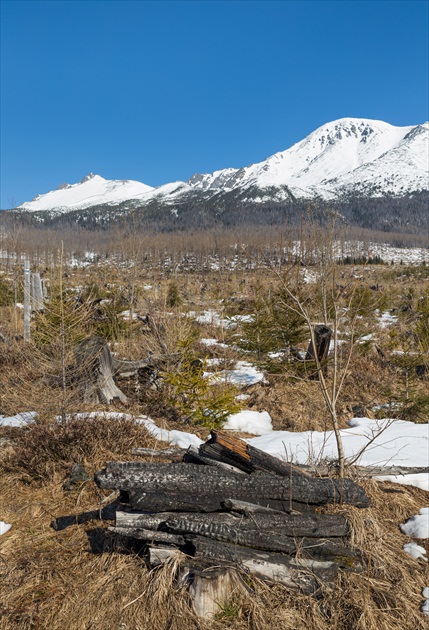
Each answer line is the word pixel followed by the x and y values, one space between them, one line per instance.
pixel 81 577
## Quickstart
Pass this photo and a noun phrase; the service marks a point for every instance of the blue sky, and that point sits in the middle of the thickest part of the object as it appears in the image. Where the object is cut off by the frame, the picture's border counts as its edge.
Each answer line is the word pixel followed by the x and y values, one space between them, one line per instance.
pixel 157 91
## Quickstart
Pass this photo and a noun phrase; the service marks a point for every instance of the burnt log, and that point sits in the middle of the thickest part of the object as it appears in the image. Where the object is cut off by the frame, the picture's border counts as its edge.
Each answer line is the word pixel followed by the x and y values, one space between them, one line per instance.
pixel 302 574
pixel 149 535
pixel 291 525
pixel 232 450
pixel 168 501
pixel 192 479
pixel 230 529
pixel 272 540
pixel 194 456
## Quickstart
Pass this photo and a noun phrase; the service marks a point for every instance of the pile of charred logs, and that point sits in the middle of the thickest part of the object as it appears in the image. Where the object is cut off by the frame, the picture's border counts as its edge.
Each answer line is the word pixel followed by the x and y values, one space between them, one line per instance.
pixel 229 504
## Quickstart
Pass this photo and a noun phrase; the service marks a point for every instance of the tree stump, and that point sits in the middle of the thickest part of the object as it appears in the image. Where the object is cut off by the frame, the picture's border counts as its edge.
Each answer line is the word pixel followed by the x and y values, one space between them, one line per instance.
pixel 94 373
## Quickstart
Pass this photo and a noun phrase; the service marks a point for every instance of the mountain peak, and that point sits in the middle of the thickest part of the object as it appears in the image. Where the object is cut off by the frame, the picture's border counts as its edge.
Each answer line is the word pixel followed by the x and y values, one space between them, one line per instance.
pixel 345 157
pixel 88 177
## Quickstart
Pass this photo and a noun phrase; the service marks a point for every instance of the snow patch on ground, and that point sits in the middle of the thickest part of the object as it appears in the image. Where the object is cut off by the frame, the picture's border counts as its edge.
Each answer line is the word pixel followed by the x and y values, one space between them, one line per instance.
pixel 22 419
pixel 425 605
pixel 4 527
pixel 417 526
pixel 213 318
pixel 243 375
pixel 415 551
pixel 181 439
pixel 253 422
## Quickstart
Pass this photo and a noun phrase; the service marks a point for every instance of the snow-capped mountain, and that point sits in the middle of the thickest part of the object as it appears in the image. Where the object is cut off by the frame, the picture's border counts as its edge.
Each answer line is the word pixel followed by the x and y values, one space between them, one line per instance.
pixel 335 158
pixel 92 190
pixel 346 157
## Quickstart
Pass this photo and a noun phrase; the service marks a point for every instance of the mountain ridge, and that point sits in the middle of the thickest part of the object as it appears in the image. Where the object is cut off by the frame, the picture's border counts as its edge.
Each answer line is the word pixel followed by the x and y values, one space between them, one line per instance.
pixel 346 157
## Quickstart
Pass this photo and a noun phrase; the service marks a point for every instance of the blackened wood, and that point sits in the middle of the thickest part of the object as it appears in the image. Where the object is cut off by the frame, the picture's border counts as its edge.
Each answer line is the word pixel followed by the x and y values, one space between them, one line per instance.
pixel 247 536
pixel 149 535
pixel 235 451
pixel 166 501
pixel 207 481
pixel 303 574
pixel 244 507
pixel 274 540
pixel 169 502
pixel 193 456
pixel 106 513
pixel 309 525
pixel 320 349
pixel 227 528
pixel 176 453
pixel 291 525
pixel 142 520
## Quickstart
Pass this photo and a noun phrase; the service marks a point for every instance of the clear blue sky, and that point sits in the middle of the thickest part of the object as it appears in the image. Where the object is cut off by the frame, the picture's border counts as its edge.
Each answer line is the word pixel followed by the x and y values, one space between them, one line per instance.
pixel 157 91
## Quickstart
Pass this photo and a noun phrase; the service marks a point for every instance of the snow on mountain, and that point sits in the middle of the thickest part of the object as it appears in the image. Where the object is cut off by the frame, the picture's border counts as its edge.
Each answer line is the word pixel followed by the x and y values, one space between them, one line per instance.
pixel 317 164
pixel 92 190
pixel 403 168
pixel 350 155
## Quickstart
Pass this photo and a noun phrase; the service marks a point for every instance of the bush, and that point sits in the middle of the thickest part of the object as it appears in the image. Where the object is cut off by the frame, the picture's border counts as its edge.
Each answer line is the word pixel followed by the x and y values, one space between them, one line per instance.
pixel 6 294
pixel 190 394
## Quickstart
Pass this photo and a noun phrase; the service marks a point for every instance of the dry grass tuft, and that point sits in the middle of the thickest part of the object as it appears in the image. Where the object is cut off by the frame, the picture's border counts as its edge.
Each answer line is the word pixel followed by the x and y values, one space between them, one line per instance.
pixel 46 449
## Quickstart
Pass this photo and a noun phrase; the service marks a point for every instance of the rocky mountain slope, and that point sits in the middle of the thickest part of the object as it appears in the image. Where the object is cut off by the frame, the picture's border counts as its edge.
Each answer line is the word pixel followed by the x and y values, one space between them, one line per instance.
pixel 347 159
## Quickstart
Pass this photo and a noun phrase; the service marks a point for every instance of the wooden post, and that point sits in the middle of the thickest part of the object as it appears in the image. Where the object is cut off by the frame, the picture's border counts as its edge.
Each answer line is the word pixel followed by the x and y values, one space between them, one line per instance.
pixel 37 292
pixel 27 300
pixel 210 590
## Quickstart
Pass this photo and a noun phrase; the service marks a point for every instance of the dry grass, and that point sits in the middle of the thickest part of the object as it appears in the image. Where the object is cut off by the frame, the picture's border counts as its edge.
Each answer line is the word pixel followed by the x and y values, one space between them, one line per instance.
pixel 81 577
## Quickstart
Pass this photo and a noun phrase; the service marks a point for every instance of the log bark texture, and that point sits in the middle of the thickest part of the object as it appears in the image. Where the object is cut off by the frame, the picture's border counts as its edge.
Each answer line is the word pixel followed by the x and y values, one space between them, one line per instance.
pixel 291 525
pixel 297 573
pixel 231 450
pixel 207 481
pixel 94 373
pixel 230 529
pixel 179 501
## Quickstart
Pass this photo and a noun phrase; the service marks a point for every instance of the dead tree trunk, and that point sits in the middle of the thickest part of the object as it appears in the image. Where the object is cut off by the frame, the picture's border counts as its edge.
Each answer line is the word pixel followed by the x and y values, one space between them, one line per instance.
pixel 94 373
pixel 322 339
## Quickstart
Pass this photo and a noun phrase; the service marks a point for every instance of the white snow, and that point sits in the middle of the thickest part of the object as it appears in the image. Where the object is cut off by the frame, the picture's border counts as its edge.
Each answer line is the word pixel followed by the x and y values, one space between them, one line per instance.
pixel 180 439
pixel 212 317
pixel 208 341
pixel 342 154
pixel 127 315
pixel 243 375
pixel 22 419
pixel 213 342
pixel 91 191
pixel 4 527
pixel 415 551
pixel 386 319
pixel 417 526
pixel 425 605
pixel 247 421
